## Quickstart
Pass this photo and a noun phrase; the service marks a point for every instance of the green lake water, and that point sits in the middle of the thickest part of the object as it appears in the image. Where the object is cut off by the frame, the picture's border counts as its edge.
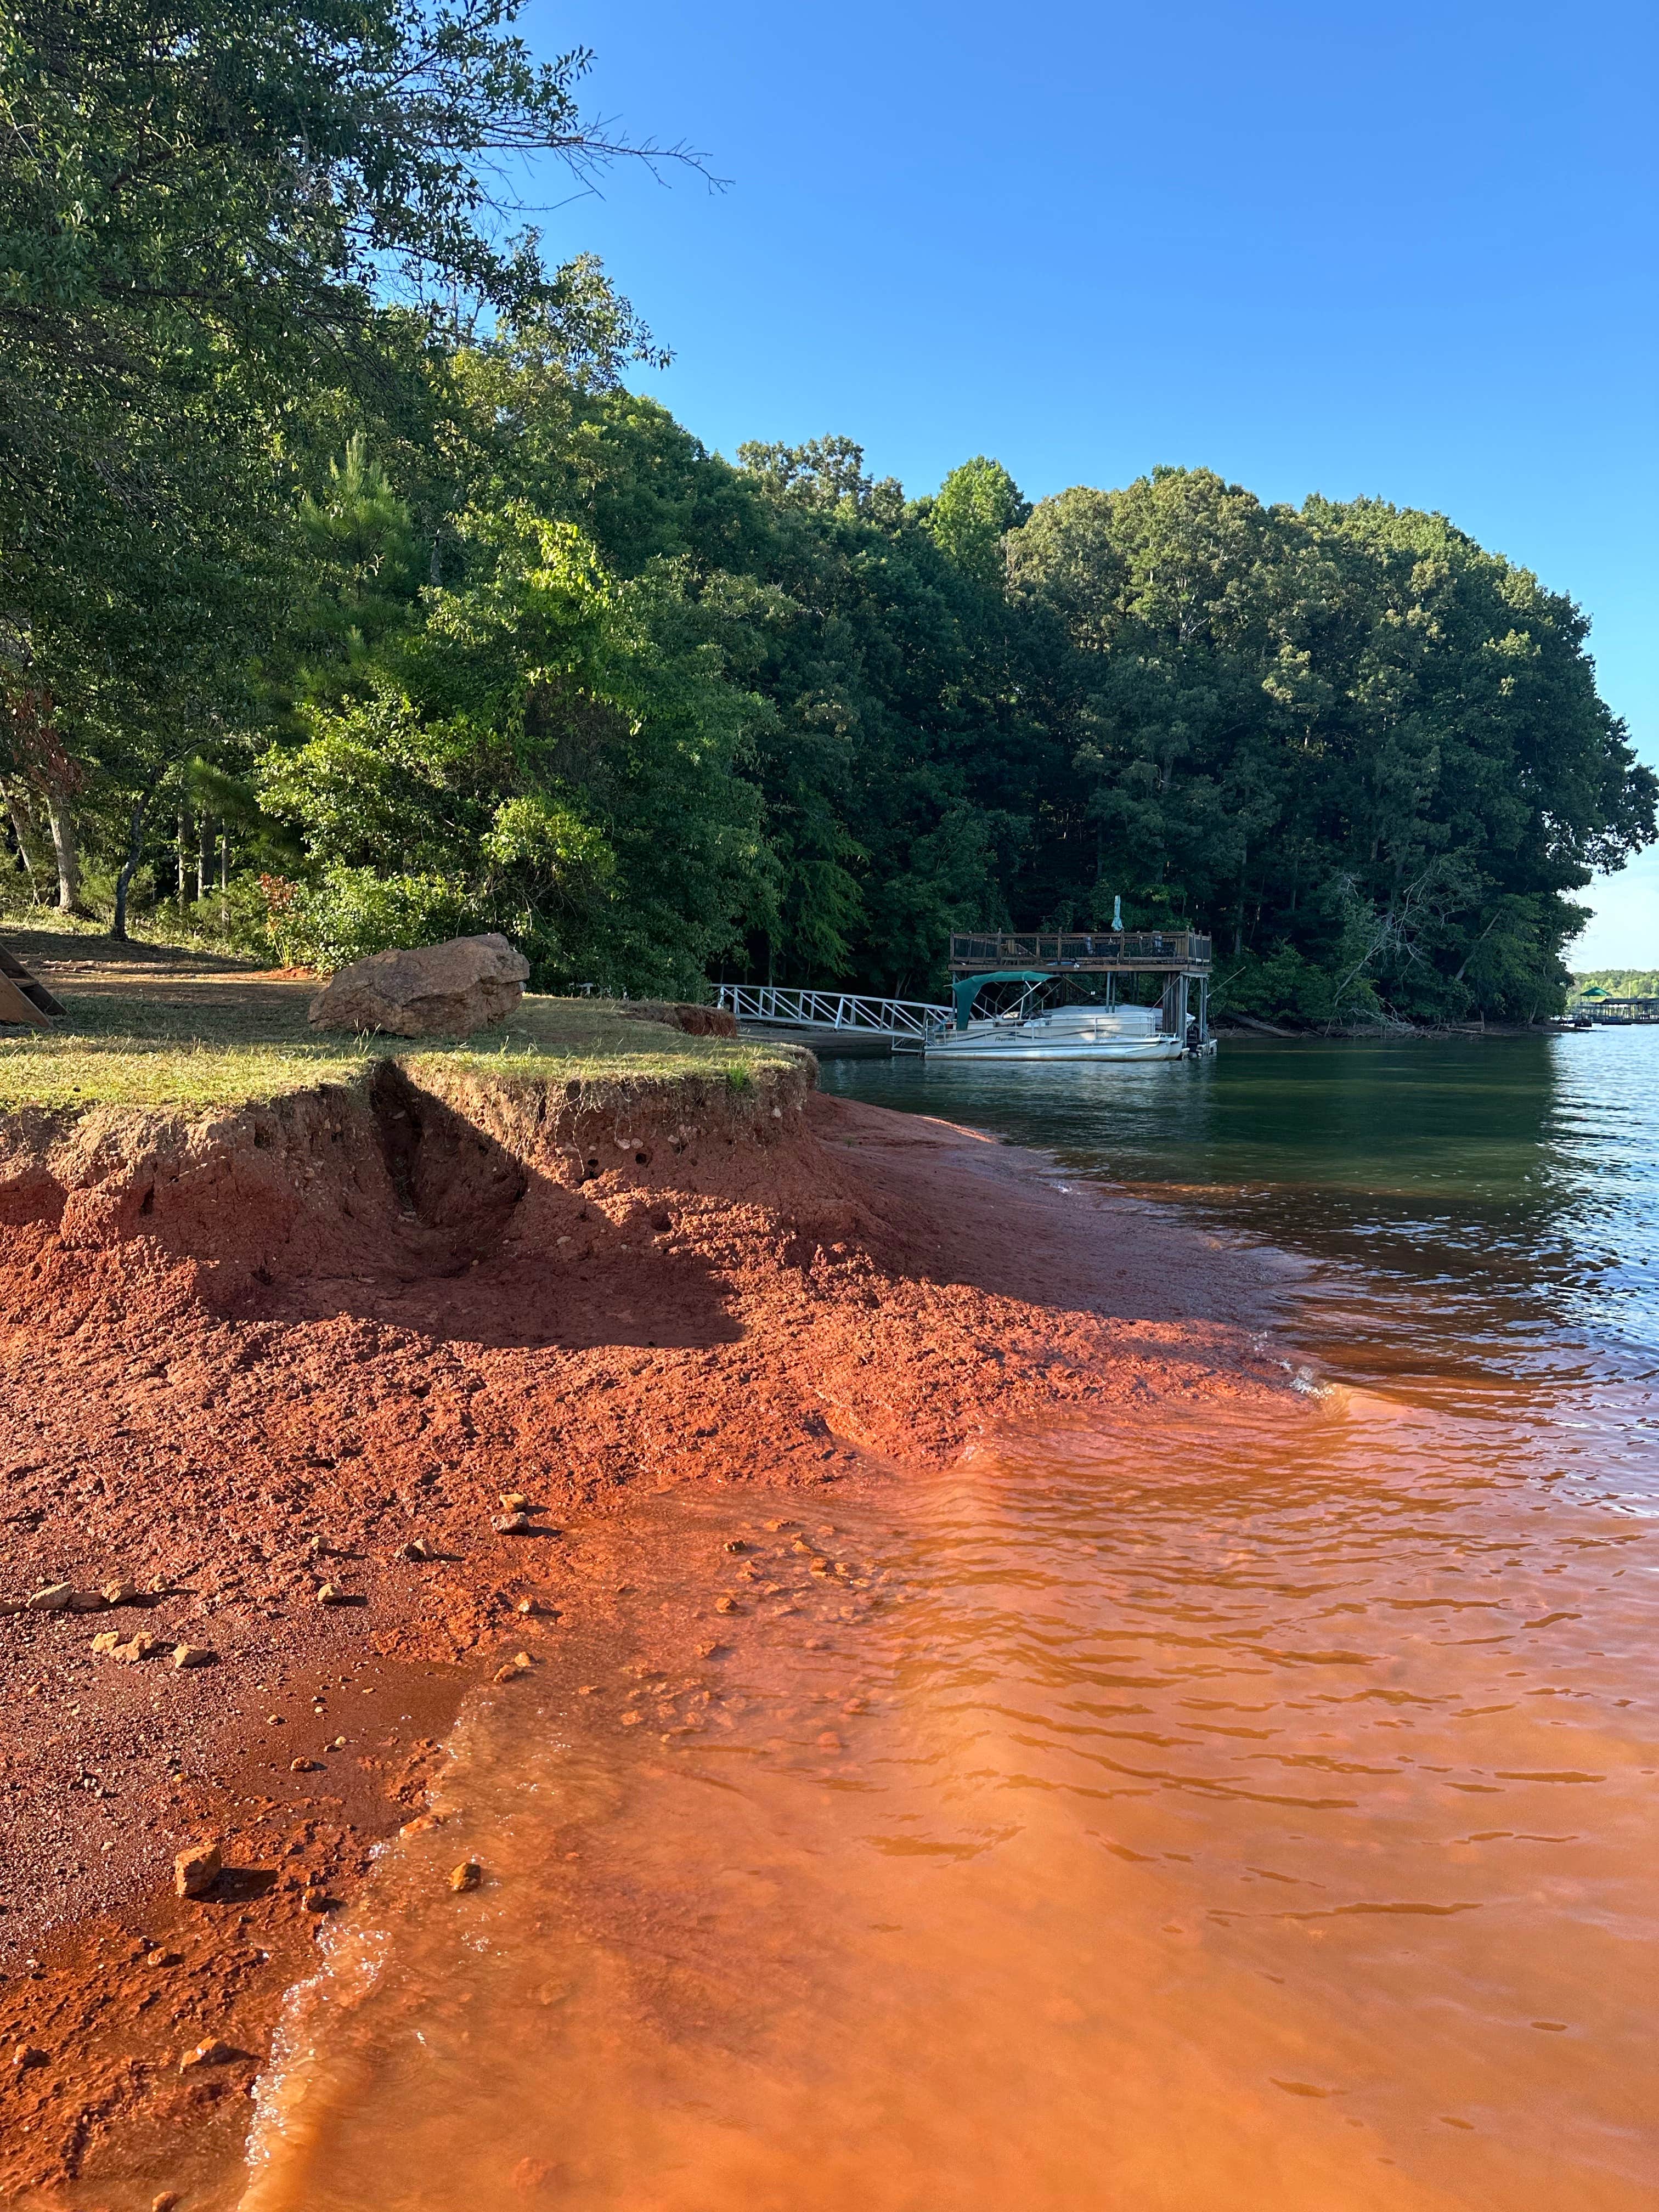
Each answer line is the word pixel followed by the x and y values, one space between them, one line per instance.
pixel 1483 1215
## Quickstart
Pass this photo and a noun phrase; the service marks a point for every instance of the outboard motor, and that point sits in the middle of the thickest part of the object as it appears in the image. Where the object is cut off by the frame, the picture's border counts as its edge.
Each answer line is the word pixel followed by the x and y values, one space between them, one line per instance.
pixel 1193 1037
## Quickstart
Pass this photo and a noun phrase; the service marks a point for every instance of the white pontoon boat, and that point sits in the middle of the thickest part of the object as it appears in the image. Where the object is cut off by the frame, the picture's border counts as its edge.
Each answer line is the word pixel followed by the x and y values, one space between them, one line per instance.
pixel 1118 969
pixel 1066 1033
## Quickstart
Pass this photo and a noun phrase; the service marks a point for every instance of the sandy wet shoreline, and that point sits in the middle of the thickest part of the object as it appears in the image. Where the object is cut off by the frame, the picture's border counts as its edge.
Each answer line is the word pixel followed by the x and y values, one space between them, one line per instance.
pixel 845 1299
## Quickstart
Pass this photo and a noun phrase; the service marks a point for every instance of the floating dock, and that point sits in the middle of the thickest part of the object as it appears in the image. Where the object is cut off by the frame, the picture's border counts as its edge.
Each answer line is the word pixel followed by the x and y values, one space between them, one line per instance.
pixel 854 1025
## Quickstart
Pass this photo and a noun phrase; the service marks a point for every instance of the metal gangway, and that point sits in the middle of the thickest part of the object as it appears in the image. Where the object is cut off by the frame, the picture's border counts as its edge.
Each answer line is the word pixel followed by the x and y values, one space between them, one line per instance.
pixel 836 1020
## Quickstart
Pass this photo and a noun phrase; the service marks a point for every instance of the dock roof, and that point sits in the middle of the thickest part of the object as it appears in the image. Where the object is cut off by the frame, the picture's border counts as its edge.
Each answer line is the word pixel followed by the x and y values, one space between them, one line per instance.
pixel 1083 952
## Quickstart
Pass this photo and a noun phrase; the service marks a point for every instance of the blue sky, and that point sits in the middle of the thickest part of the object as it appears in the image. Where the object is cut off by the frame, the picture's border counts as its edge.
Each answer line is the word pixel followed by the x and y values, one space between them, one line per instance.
pixel 1342 248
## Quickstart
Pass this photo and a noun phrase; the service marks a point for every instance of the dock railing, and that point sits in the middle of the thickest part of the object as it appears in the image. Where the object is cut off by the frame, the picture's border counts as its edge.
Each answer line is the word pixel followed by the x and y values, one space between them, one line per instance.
pixel 1183 950
pixel 778 1007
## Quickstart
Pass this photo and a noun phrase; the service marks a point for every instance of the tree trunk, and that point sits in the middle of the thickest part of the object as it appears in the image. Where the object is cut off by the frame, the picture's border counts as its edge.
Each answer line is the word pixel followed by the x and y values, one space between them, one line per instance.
pixel 180 850
pixel 20 827
pixel 204 852
pixel 63 849
pixel 118 928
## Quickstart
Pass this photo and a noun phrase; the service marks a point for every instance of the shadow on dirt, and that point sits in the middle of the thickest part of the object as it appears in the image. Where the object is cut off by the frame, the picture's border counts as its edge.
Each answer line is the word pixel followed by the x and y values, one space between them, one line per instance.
pixel 482 1250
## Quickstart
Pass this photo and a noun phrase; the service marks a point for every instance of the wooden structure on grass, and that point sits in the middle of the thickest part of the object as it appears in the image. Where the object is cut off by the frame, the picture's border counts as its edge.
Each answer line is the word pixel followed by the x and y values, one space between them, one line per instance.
pixel 21 998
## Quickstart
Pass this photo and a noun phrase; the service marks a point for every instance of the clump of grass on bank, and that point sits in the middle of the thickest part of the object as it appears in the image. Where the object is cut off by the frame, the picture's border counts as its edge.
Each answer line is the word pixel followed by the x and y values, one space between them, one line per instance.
pixel 198 1042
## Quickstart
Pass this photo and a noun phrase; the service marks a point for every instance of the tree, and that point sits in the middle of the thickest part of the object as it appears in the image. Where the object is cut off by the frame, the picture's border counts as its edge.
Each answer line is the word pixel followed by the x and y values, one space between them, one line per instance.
pixel 212 214
pixel 1369 755
pixel 976 507
pixel 549 751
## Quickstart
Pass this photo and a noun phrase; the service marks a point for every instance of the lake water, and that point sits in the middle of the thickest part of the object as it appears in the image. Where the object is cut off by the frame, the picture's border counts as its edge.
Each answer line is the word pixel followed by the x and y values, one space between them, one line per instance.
pixel 1243 1810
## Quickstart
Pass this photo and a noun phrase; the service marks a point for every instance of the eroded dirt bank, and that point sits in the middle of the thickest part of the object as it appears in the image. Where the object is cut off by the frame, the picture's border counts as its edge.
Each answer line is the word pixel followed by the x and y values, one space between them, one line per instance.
pixel 243 1359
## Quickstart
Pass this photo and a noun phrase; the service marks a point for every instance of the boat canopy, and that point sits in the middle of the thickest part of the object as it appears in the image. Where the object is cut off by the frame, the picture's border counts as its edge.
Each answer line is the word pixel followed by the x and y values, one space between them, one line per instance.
pixel 967 989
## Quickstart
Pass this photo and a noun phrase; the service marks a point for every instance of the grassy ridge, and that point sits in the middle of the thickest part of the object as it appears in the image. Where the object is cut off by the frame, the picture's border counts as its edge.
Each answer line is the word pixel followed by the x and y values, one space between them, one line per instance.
pixel 202 1042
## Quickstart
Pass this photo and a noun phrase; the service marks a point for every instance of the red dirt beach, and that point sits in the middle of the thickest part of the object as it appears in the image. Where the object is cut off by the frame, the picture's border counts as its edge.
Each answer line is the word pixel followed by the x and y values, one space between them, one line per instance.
pixel 361 1392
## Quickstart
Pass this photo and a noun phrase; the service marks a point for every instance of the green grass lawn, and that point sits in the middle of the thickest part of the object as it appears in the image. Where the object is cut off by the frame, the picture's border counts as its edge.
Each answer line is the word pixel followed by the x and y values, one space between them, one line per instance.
pixel 148 1030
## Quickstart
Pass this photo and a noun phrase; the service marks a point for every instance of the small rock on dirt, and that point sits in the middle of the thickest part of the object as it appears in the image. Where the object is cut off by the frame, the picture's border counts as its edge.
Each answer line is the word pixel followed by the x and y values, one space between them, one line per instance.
pixel 331 1594
pixel 81 1601
pixel 304 1766
pixel 520 1663
pixel 515 1501
pixel 467 1876
pixel 194 1654
pixel 197 1869
pixel 54 1598
pixel 121 1593
pixel 212 2053
pixel 27 2054
pixel 511 1524
pixel 417 1548
pixel 137 1648
pixel 104 1645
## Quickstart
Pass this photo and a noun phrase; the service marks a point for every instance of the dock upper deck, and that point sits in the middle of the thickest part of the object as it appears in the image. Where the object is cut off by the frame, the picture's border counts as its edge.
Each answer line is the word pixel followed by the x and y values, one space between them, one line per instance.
pixel 1083 952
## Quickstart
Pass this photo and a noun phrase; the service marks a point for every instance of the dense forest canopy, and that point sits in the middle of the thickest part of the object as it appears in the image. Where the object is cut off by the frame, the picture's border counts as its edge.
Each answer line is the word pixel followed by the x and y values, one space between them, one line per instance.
pixel 349 596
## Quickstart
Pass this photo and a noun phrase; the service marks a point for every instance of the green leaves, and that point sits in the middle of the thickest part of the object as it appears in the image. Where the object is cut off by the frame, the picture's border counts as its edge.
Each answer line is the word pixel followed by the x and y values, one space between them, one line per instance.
pixel 220 225
pixel 1350 741
pixel 978 504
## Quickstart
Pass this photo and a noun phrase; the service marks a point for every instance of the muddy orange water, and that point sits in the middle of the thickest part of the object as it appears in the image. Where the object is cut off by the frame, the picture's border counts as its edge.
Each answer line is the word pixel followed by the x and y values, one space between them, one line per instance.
pixel 1233 1810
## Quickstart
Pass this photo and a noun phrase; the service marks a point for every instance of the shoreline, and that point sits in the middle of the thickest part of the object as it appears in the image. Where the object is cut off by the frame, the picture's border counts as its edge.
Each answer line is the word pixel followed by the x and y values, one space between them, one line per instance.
pixel 786 1295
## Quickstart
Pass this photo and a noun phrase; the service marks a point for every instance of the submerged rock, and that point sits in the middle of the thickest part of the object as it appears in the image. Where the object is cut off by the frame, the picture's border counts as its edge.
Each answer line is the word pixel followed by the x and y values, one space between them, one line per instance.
pixel 467 1876
pixel 451 989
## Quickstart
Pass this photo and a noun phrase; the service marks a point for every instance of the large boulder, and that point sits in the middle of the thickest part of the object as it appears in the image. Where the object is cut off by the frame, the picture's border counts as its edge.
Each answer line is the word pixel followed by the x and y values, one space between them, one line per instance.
pixel 429 990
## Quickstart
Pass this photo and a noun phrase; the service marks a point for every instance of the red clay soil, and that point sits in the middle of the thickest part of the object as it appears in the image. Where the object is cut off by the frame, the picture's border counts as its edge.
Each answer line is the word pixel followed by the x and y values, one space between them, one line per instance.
pixel 242 1359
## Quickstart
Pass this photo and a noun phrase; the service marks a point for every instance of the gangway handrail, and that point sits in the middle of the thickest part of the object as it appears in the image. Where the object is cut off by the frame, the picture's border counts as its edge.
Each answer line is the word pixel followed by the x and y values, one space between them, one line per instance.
pixel 785 1007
